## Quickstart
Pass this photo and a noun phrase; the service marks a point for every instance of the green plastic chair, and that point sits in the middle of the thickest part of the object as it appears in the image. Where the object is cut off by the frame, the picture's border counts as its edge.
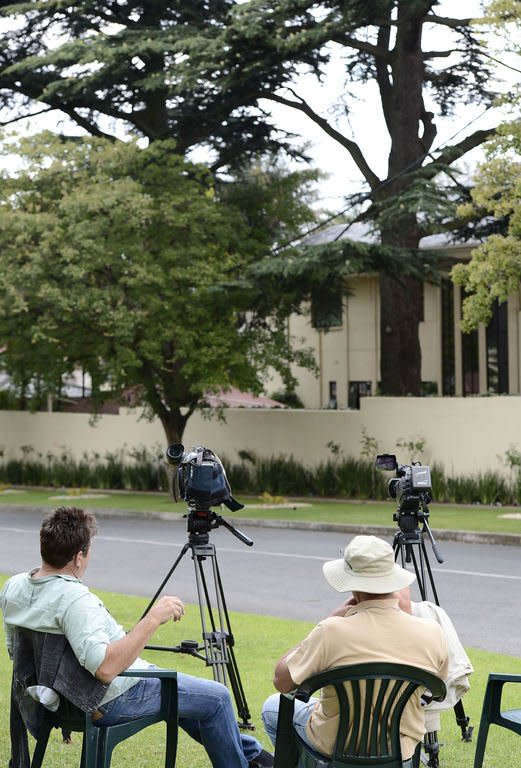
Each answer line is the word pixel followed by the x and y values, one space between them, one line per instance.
pixel 99 741
pixel 492 715
pixel 369 728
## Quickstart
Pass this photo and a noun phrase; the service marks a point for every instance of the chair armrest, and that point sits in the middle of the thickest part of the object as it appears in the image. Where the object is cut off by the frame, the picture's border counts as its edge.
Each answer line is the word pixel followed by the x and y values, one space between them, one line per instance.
pixel 155 672
pixel 504 678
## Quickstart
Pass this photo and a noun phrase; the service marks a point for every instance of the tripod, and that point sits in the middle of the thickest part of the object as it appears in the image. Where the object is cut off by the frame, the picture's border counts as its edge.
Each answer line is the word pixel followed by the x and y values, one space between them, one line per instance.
pixel 409 544
pixel 218 640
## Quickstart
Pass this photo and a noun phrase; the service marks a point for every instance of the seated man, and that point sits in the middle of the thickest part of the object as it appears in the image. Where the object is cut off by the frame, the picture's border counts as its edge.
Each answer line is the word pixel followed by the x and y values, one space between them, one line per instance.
pixel 368 627
pixel 52 598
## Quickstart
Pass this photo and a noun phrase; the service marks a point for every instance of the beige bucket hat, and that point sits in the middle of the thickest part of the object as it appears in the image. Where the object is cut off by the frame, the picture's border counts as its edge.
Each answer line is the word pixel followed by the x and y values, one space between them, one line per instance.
pixel 367 566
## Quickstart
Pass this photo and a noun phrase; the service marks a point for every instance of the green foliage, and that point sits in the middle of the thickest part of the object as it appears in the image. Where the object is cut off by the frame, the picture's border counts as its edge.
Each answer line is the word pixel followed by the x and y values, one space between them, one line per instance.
pixel 140 470
pixel 414 446
pixel 369 445
pixel 494 271
pixel 334 477
pixel 118 260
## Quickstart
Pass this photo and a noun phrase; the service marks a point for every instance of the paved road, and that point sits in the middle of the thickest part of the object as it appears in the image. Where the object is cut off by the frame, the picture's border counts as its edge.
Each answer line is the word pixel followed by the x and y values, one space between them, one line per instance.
pixel 478 584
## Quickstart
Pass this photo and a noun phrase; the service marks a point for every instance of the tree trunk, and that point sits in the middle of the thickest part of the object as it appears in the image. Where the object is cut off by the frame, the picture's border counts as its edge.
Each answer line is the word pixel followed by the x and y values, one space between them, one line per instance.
pixel 174 423
pixel 401 296
pixel 400 354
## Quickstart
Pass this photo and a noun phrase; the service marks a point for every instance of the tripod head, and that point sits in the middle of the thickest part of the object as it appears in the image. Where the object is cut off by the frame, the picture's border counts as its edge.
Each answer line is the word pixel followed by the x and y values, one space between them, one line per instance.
pixel 201 521
pixel 409 519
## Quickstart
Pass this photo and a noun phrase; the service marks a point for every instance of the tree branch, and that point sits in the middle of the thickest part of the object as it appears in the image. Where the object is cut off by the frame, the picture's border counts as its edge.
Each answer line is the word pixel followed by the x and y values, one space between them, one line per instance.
pixel 382 74
pixel 446 21
pixel 26 117
pixel 426 55
pixel 351 146
pixel 453 153
pixel 360 45
pixel 87 125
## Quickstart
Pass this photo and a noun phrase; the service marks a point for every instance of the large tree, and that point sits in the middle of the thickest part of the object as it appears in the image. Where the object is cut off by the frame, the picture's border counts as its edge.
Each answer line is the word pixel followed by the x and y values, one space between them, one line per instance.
pixel 118 260
pixel 197 72
pixel 420 80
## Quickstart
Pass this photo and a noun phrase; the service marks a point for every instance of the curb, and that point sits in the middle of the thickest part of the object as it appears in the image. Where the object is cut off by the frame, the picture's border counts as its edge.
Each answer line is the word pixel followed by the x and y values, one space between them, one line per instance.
pixel 467 537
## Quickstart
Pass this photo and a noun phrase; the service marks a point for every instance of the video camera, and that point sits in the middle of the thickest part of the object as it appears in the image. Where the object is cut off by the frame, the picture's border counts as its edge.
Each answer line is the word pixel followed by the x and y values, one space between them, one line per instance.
pixel 200 480
pixel 411 488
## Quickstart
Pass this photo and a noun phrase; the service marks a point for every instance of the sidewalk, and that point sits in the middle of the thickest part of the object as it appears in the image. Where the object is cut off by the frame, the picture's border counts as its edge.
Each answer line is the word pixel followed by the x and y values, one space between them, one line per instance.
pixel 469 537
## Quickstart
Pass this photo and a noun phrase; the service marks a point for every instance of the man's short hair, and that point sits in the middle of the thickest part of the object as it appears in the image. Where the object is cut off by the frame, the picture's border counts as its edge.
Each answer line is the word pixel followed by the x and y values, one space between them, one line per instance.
pixel 64 533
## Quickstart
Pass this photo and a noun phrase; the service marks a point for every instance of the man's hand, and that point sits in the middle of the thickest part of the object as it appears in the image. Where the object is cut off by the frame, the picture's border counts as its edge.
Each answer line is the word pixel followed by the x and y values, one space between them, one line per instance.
pixel 344 608
pixel 168 608
pixel 404 599
pixel 122 653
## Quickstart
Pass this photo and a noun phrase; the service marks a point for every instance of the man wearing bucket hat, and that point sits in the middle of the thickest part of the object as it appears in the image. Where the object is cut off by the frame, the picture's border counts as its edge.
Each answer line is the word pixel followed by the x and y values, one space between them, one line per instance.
pixel 369 626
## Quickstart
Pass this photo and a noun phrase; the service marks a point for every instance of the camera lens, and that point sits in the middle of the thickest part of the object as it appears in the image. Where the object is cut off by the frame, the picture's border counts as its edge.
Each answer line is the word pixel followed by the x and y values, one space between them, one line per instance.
pixel 391 486
pixel 174 453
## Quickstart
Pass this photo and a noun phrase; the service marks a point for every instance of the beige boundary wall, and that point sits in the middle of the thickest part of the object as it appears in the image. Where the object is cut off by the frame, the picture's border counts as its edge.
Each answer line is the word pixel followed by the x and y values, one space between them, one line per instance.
pixel 465 435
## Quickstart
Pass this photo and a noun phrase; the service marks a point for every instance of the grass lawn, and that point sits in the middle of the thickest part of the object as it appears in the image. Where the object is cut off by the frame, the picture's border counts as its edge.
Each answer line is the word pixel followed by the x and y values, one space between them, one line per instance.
pixel 260 641
pixel 443 516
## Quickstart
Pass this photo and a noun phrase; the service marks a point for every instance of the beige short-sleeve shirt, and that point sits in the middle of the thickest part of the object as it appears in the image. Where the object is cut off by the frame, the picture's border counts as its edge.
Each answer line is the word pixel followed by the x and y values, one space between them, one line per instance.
pixel 374 630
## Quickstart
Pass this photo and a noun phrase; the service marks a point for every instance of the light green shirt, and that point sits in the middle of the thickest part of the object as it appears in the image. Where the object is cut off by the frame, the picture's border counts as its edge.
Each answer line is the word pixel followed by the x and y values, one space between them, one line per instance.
pixel 62 605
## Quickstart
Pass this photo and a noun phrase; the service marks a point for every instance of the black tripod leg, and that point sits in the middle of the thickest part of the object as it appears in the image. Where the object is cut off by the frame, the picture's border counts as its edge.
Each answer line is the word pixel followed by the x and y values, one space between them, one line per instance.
pixel 463 721
pixel 432 748
pixel 167 577
pixel 233 669
pixel 429 572
pixel 214 641
pixel 219 642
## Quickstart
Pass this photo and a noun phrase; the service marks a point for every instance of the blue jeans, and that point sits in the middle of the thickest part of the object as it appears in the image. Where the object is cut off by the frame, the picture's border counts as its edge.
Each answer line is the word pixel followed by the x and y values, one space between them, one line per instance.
pixel 301 715
pixel 205 713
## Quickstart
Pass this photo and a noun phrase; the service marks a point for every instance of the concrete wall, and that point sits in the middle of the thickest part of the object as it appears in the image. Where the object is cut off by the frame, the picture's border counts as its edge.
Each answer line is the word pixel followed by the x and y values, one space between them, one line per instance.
pixel 466 435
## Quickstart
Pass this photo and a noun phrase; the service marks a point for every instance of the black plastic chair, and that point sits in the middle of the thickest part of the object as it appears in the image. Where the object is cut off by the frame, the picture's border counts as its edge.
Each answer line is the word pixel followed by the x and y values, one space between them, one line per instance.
pixel 98 740
pixel 369 719
pixel 492 715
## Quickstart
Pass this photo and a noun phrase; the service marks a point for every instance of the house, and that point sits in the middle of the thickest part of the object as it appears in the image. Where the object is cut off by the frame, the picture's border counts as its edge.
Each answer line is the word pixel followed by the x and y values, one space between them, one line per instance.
pixel 346 338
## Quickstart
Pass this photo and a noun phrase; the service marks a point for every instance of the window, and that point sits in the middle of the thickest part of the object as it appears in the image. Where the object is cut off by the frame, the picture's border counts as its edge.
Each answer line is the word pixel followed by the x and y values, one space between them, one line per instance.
pixel 358 389
pixel 332 402
pixel 326 308
pixel 470 360
pixel 497 350
pixel 448 366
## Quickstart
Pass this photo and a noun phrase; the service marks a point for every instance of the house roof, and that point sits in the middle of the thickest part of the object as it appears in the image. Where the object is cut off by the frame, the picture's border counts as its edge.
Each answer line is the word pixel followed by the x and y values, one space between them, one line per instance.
pixel 363 233
pixel 234 398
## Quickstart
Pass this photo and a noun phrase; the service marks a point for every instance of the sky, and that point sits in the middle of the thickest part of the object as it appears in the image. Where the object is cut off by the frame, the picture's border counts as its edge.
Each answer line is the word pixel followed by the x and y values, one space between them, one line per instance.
pixel 364 123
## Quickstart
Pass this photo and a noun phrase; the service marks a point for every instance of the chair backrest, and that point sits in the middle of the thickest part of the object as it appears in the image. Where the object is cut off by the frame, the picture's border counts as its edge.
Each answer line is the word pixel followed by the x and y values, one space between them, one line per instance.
pixel 372 698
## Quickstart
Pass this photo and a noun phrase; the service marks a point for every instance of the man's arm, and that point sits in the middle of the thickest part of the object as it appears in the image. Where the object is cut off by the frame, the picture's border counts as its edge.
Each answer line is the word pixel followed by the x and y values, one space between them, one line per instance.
pixel 282 679
pixel 122 653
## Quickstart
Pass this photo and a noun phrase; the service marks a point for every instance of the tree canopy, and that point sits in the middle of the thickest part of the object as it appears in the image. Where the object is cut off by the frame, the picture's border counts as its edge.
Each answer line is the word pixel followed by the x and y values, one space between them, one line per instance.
pixel 157 69
pixel 198 73
pixel 117 259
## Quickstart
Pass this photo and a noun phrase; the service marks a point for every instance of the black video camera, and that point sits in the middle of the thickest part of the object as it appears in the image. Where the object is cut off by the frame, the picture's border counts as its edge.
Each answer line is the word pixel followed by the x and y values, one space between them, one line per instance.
pixel 200 479
pixel 411 488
